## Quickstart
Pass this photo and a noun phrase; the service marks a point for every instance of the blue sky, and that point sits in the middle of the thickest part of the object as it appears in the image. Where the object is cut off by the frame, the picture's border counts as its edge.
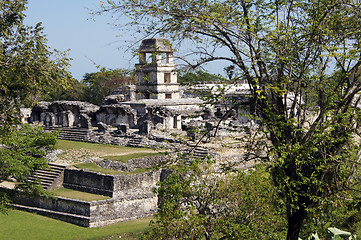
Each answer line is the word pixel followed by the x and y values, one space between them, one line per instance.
pixel 68 25
pixel 92 41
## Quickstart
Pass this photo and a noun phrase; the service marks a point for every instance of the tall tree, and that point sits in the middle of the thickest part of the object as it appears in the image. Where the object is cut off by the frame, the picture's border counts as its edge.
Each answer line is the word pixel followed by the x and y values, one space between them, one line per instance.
pixel 301 60
pixel 27 66
pixel 74 91
pixel 198 77
pixel 101 84
pixel 198 204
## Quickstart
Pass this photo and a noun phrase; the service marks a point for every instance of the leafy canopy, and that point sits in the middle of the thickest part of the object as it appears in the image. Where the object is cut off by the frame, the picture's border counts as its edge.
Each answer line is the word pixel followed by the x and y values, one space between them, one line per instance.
pixel 301 60
pixel 27 67
pixel 101 84
pixel 197 204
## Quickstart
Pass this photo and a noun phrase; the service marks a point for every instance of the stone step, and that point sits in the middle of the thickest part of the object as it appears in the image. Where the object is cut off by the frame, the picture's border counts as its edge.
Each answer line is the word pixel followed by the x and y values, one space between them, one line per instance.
pixel 67 217
pixel 135 142
pixel 47 172
pixel 73 139
pixel 71 134
pixel 47 176
pixel 200 152
pixel 42 178
pixel 55 166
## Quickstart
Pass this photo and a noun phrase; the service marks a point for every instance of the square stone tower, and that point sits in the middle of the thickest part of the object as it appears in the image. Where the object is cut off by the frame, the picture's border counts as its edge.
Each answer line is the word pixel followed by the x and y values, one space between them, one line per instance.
pixel 156 72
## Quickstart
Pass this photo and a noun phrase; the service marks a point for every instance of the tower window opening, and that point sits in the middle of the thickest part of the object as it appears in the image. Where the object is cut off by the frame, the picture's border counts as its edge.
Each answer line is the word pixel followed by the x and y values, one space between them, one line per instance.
pixel 167 77
pixel 175 122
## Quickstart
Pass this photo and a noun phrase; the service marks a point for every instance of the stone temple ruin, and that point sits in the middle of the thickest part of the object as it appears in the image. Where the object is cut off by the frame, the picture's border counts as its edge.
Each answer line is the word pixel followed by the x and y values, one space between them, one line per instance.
pixel 156 102
pixel 134 115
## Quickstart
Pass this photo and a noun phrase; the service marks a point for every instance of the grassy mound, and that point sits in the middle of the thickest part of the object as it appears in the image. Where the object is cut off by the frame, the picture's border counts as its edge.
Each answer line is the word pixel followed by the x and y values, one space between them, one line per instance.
pixel 69 193
pixel 126 158
pixel 101 149
pixel 95 168
pixel 23 225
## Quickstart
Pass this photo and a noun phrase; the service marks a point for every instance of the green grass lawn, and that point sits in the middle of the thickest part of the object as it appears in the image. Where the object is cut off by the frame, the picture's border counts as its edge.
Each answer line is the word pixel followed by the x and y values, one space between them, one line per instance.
pixel 95 168
pixel 126 158
pixel 69 193
pixel 102 149
pixel 23 225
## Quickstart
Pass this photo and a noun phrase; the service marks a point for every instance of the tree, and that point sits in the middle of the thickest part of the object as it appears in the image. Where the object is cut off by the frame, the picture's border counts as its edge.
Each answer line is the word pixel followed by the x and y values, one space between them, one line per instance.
pixel 101 84
pixel 301 60
pixel 198 204
pixel 23 152
pixel 198 77
pixel 76 91
pixel 27 66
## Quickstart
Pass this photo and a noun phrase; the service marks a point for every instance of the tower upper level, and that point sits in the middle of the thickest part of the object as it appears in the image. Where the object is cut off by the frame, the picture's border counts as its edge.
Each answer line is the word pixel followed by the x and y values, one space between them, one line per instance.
pixel 156 72
pixel 155 51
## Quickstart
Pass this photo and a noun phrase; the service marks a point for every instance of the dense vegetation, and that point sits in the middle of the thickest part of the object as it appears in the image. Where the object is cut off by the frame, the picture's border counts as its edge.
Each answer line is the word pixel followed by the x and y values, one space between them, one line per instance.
pixel 302 62
pixel 27 68
pixel 93 88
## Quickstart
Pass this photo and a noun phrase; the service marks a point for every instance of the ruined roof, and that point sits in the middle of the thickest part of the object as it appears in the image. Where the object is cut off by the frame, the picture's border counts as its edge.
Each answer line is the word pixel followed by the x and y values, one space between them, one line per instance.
pixel 165 102
pixel 83 106
pixel 155 45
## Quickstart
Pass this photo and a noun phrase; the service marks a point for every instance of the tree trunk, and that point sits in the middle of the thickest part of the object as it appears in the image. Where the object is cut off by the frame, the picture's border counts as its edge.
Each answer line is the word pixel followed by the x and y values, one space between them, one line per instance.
pixel 295 221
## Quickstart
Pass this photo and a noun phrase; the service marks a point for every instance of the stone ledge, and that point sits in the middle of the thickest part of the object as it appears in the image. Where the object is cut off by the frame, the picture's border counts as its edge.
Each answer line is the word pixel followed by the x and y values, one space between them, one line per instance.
pixel 83 221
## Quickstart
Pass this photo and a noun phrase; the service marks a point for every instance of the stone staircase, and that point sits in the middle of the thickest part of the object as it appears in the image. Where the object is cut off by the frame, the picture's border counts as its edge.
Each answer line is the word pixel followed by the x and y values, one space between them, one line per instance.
pixel 71 134
pixel 200 152
pixel 50 178
pixel 135 142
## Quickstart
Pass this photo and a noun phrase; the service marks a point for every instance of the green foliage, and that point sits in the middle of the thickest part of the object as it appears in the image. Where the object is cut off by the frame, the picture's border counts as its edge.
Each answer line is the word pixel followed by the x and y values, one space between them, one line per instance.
pixel 76 91
pixel 23 151
pixel 27 65
pixel 101 84
pixel 196 204
pixel 198 77
pixel 301 60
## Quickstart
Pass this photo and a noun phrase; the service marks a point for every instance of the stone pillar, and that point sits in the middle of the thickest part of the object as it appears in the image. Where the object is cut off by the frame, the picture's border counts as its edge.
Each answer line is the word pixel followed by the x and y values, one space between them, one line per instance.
pixel 49 119
pixel 65 119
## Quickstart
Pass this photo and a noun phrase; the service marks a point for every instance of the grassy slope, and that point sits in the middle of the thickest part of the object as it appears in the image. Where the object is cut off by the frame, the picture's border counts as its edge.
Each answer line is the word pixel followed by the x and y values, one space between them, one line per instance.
pixel 23 225
pixel 69 193
pixel 126 158
pixel 95 168
pixel 102 149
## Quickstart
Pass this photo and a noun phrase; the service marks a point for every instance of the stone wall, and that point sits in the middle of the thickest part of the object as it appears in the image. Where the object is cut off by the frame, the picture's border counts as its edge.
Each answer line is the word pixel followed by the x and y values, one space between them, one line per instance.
pixel 90 214
pixel 115 186
pixel 90 182
pixel 135 184
pixel 59 204
pixel 132 198
pixel 132 164
pixel 116 210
